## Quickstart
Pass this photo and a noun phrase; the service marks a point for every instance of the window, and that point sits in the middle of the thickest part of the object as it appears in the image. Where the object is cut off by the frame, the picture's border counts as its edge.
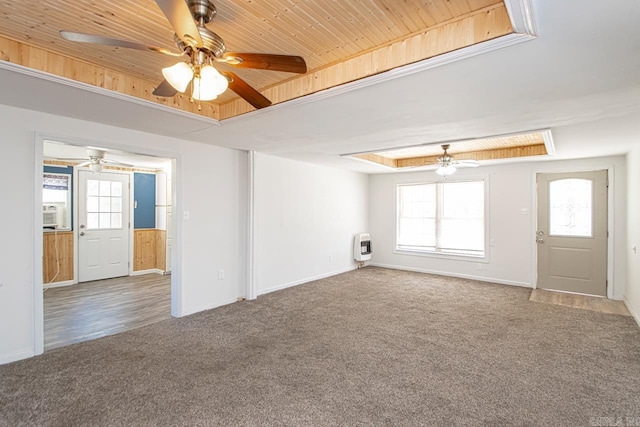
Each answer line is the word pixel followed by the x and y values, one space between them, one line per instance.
pixel 56 200
pixel 444 218
pixel 570 208
pixel 104 204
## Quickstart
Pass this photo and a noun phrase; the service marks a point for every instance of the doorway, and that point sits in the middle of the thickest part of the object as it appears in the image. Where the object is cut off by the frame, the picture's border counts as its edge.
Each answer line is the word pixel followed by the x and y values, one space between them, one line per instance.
pixel 117 202
pixel 572 232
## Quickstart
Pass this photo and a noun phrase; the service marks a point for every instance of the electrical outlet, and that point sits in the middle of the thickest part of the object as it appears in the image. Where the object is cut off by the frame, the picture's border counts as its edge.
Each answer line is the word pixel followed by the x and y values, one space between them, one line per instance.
pixel 330 257
pixel 187 214
pixel 220 274
pixel 479 266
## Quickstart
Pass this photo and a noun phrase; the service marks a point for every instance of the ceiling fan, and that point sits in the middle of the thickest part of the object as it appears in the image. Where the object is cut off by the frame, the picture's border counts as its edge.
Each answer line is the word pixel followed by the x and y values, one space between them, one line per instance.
pixel 203 48
pixel 96 161
pixel 447 165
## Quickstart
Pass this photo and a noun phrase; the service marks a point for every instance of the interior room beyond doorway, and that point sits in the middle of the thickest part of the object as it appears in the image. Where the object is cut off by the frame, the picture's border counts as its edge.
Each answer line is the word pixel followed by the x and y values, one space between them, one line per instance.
pixel 107 241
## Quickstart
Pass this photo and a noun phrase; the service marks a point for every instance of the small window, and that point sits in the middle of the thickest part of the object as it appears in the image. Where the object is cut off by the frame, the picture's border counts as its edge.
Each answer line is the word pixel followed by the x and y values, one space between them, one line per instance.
pixel 56 201
pixel 104 204
pixel 570 207
pixel 443 218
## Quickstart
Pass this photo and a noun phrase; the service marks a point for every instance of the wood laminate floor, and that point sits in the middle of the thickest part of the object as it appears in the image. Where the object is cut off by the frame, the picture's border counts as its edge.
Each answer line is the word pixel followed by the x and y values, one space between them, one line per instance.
pixel 585 302
pixel 91 310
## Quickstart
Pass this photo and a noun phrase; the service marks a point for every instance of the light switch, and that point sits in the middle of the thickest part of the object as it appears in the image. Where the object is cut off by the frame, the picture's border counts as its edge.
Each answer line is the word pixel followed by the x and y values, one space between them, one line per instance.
pixel 187 214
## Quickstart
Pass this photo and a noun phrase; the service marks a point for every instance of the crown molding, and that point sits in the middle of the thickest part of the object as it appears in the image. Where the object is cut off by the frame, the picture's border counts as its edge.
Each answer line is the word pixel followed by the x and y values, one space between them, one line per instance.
pixel 521 15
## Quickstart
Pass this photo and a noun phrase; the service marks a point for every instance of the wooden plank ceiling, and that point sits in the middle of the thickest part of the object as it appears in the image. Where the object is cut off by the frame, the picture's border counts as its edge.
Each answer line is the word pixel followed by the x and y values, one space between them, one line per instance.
pixel 491 148
pixel 341 41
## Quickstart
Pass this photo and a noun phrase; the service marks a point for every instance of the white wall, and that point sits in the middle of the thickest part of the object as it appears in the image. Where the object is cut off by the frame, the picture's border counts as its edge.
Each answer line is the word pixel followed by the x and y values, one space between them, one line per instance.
pixel 632 292
pixel 211 184
pixel 511 188
pixel 306 217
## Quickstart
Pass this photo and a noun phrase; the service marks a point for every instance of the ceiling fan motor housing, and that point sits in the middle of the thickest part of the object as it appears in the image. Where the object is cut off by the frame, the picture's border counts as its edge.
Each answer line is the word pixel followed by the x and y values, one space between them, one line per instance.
pixel 211 41
pixel 202 10
pixel 95 154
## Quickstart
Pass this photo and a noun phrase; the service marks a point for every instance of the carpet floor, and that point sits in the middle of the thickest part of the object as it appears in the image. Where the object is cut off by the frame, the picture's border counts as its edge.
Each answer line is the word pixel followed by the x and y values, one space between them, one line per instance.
pixel 369 347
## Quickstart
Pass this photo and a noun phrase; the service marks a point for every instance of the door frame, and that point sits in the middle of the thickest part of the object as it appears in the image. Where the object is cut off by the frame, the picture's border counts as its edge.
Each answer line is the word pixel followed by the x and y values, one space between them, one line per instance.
pixel 610 219
pixel 176 179
pixel 76 214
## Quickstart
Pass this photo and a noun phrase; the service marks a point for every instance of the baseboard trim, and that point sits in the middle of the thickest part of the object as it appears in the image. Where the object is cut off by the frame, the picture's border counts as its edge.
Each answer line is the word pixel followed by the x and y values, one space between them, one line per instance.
pixel 149 271
pixel 59 284
pixel 460 276
pixel 635 313
pixel 307 280
pixel 209 307
pixel 14 357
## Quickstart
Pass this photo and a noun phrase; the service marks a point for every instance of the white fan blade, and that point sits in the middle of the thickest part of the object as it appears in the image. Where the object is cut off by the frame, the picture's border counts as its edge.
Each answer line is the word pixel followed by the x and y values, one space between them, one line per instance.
pixel 65 159
pixel 465 163
pixel 116 163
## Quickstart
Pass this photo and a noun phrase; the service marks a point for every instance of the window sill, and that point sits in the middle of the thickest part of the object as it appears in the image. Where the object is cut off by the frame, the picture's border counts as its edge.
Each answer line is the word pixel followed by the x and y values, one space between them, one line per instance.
pixel 443 255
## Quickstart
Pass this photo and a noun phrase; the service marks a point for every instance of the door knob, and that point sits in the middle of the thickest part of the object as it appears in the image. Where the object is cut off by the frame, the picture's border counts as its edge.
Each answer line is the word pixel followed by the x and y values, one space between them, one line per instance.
pixel 539 240
pixel 82 233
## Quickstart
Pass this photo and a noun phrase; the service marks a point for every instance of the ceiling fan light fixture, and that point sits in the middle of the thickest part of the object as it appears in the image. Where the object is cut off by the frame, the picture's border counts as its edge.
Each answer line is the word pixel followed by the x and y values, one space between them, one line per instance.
pixel 446 170
pixel 209 84
pixel 178 75
pixel 95 167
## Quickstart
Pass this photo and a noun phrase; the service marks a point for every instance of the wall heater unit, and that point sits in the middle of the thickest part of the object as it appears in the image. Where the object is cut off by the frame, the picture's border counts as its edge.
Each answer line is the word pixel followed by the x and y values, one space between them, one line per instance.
pixel 362 247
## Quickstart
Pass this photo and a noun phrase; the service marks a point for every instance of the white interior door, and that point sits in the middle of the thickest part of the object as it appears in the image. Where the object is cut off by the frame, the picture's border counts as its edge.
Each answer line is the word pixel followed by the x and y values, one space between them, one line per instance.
pixel 572 232
pixel 103 218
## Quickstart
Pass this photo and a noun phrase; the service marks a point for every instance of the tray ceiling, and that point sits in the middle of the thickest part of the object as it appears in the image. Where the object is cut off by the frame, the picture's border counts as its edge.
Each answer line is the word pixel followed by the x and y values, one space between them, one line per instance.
pixel 538 143
pixel 325 33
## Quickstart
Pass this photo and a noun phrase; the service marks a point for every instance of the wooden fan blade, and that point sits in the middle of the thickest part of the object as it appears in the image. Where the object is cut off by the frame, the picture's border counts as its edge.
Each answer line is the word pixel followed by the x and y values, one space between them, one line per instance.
pixel 178 14
pixel 93 38
pixel 245 91
pixel 264 61
pixel 165 89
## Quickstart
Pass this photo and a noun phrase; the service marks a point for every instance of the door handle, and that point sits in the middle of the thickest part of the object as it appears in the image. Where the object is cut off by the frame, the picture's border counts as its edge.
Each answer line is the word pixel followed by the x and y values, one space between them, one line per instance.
pixel 539 240
pixel 82 233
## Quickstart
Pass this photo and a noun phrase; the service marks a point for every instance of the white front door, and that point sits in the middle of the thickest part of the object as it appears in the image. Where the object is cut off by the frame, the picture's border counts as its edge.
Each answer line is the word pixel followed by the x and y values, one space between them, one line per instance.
pixel 103 218
pixel 572 232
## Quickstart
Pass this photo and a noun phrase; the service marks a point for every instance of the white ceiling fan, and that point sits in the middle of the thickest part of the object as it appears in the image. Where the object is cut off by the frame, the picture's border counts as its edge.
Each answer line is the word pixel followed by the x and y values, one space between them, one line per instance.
pixel 96 160
pixel 447 165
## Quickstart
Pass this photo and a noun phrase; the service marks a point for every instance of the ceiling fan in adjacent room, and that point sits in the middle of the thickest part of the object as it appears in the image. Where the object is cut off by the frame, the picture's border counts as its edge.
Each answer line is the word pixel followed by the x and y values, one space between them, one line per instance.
pixel 204 49
pixel 447 165
pixel 96 161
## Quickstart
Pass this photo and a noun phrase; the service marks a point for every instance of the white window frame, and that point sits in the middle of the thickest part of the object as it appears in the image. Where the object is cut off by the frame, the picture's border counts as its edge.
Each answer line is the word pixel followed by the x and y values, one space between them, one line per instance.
pixel 445 255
